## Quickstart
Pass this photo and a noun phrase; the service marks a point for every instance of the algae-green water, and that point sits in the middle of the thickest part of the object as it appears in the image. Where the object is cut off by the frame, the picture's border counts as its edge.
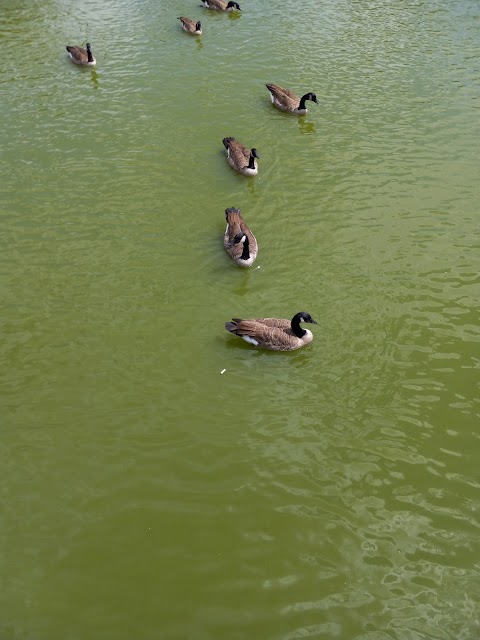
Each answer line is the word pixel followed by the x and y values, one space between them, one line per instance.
pixel 329 493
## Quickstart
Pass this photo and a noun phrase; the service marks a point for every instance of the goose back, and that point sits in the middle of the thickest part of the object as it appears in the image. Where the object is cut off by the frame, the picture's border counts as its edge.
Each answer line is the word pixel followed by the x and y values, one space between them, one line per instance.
pixel 239 241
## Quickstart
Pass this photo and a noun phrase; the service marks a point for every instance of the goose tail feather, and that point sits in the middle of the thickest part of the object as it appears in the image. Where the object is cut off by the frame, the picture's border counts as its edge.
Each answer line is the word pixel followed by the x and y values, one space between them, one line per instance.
pixel 232 214
pixel 227 141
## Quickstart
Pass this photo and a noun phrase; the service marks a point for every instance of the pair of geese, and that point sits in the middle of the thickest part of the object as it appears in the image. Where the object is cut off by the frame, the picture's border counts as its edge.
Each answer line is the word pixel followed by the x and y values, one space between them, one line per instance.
pixel 244 160
pixel 195 26
pixel 275 334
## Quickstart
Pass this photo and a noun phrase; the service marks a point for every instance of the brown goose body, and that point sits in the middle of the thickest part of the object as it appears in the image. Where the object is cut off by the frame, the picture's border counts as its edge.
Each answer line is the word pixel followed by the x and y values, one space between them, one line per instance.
pixel 79 55
pixel 239 241
pixel 275 334
pixel 191 26
pixel 221 5
pixel 240 158
pixel 287 101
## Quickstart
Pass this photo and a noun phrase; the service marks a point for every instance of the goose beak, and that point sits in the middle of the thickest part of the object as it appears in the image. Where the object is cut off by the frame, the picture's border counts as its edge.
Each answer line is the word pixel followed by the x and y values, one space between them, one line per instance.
pixel 313 321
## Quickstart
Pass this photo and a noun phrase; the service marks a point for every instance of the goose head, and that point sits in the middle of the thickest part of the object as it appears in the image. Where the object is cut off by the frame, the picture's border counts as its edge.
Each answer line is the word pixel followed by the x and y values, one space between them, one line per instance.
pixel 303 316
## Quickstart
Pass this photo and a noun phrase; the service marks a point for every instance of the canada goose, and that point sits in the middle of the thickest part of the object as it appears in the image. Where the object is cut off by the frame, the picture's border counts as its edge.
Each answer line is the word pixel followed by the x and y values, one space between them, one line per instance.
pixel 221 5
pixel 79 55
pixel 240 158
pixel 275 334
pixel 239 241
pixel 190 26
pixel 288 101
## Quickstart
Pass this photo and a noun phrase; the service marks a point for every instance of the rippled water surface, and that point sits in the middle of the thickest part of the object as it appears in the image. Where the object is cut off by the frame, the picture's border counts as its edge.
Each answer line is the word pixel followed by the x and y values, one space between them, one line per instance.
pixel 327 493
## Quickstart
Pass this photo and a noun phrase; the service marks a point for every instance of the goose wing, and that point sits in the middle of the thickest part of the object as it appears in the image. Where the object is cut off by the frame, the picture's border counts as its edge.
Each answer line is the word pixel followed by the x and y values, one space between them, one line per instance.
pixel 238 154
pixel 79 53
pixel 233 229
pixel 189 24
pixel 283 96
pixel 216 4
pixel 265 336
pixel 251 238
pixel 279 323
pixel 234 224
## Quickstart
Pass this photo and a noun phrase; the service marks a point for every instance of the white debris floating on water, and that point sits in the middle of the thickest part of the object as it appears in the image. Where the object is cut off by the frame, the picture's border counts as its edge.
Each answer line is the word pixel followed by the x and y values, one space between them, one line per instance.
pixel 222 371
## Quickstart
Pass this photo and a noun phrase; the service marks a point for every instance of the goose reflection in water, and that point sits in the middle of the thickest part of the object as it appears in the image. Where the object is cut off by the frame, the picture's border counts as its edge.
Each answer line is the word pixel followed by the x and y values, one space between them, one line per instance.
pixel 305 126
pixel 94 76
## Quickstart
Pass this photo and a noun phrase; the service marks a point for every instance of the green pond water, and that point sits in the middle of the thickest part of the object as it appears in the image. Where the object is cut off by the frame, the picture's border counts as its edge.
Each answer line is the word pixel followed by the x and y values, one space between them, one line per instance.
pixel 328 493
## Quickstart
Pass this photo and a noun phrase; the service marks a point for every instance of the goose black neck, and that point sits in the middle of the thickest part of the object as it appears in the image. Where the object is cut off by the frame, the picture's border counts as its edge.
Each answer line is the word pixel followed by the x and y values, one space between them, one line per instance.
pixel 246 250
pixel 296 328
pixel 251 162
pixel 303 99
pixel 89 54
